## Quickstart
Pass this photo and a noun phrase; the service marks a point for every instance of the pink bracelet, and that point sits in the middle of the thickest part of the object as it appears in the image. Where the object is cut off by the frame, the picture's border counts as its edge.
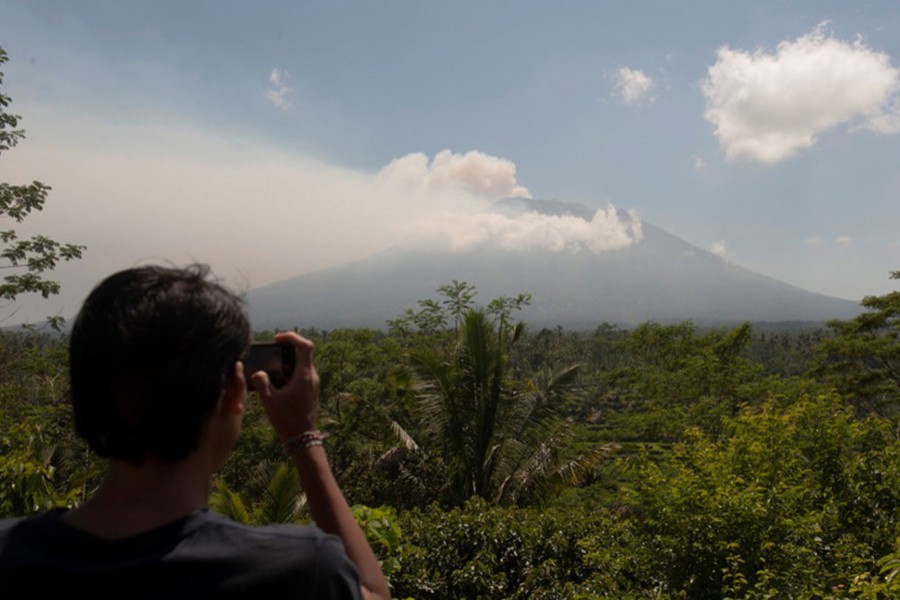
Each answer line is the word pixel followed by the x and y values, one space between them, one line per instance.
pixel 305 440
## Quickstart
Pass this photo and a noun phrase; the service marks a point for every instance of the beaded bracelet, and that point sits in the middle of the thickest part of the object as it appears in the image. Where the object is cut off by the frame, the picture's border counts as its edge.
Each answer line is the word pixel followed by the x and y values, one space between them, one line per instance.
pixel 305 440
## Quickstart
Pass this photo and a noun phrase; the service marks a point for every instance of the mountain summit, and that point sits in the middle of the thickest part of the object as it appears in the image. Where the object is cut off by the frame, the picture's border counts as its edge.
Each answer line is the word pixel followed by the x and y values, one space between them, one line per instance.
pixel 652 276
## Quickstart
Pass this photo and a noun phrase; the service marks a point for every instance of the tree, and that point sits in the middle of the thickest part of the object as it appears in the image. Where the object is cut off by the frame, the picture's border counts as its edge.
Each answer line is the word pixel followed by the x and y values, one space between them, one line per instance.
pixel 42 462
pixel 458 299
pixel 281 502
pixel 800 501
pixel 862 358
pixel 498 439
pixel 674 377
pixel 490 552
pixel 27 260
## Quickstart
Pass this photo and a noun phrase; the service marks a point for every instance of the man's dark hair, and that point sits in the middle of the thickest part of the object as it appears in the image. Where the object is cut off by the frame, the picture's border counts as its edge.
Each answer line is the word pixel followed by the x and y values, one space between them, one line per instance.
pixel 148 355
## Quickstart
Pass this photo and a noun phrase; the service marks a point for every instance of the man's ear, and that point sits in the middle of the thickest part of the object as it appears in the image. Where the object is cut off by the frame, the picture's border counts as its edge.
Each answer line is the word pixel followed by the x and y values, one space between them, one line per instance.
pixel 235 392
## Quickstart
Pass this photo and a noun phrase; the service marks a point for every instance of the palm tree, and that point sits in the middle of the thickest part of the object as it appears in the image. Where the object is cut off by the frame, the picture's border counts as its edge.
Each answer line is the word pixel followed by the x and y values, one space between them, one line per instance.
pixel 282 501
pixel 498 440
pixel 535 460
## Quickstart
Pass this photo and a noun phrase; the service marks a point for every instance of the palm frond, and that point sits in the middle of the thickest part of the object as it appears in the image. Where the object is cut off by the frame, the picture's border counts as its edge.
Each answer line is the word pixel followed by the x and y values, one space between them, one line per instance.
pixel 283 502
pixel 549 477
pixel 405 438
pixel 227 502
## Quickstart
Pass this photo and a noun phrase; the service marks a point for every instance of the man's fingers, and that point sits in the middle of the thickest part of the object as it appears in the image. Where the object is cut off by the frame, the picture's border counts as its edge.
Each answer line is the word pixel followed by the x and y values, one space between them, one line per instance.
pixel 303 346
pixel 261 384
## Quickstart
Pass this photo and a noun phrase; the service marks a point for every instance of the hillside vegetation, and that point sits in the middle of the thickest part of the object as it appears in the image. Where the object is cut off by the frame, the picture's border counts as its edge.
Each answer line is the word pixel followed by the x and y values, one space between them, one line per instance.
pixel 487 460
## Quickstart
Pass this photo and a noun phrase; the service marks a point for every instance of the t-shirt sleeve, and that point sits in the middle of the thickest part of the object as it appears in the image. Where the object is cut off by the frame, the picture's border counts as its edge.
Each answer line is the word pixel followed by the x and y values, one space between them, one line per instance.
pixel 336 575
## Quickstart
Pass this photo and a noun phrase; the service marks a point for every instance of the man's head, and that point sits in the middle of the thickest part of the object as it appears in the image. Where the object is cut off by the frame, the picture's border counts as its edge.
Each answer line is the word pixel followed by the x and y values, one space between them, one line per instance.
pixel 149 355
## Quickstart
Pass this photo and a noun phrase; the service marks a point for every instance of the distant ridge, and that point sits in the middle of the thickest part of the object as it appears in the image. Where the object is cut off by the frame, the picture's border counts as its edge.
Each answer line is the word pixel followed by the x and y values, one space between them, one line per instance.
pixel 659 278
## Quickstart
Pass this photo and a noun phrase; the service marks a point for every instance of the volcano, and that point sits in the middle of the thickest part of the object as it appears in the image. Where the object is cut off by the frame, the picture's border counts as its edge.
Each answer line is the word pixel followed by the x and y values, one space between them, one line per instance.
pixel 657 277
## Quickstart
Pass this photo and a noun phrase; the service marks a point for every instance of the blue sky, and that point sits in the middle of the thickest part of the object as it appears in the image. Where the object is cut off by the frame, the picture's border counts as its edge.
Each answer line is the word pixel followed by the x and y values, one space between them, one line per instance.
pixel 274 138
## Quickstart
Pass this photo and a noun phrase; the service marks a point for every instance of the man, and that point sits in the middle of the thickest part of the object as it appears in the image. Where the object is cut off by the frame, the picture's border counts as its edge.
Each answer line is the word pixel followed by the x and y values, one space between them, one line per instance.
pixel 158 389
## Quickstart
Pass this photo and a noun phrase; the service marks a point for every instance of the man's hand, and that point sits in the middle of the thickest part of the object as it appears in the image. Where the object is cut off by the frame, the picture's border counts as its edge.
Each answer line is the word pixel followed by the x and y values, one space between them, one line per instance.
pixel 294 408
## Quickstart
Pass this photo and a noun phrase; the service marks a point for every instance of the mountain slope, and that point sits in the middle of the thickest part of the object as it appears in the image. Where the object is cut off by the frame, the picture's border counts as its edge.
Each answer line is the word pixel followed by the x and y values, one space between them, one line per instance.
pixel 660 278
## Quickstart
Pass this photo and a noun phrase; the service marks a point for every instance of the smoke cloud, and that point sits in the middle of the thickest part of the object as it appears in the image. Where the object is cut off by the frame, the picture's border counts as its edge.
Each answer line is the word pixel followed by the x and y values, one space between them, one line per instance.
pixel 473 173
pixel 456 188
pixel 721 250
pixel 256 214
pixel 528 231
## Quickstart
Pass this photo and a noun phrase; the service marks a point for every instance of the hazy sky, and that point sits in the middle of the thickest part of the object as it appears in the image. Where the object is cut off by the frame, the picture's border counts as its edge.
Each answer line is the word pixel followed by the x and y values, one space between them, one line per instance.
pixel 271 139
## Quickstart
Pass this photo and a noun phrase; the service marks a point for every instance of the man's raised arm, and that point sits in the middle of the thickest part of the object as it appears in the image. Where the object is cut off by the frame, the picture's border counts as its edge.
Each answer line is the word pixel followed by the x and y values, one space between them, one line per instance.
pixel 293 412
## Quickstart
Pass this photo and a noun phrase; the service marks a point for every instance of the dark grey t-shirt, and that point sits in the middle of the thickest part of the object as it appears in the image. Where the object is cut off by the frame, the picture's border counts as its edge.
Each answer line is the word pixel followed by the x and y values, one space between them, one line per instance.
pixel 203 555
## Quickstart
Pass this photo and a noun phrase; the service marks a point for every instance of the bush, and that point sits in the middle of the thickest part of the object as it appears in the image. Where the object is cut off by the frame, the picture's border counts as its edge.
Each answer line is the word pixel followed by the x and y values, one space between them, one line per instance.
pixel 799 501
pixel 482 551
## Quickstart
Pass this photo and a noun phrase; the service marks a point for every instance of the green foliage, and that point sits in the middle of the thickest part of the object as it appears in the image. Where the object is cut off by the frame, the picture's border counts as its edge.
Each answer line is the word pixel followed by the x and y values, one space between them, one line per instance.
pixel 548 351
pixel 28 258
pixel 382 529
pixel 367 390
pixel 734 479
pixel 458 299
pixel 229 503
pixel 429 321
pixel 675 379
pixel 42 463
pixel 33 372
pixel 428 327
pixel 482 551
pixel 28 471
pixel 497 441
pixel 257 445
pixel 786 352
pixel 883 585
pixel 800 499
pixel 9 135
pixel 862 358
pixel 281 501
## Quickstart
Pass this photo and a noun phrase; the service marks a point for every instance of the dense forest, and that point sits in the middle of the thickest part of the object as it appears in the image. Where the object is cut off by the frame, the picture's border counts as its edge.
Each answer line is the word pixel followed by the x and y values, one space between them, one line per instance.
pixel 487 460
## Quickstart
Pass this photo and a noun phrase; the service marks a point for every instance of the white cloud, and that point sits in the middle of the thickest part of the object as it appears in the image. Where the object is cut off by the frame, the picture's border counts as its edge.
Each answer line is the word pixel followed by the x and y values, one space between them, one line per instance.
pixel 281 94
pixel 815 240
pixel 767 106
pixel 887 122
pixel 721 250
pixel 699 163
pixel 474 173
pixel 631 85
pixel 819 241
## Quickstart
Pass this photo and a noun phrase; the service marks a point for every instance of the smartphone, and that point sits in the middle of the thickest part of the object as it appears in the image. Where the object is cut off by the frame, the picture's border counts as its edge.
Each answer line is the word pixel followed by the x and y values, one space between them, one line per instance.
pixel 277 360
